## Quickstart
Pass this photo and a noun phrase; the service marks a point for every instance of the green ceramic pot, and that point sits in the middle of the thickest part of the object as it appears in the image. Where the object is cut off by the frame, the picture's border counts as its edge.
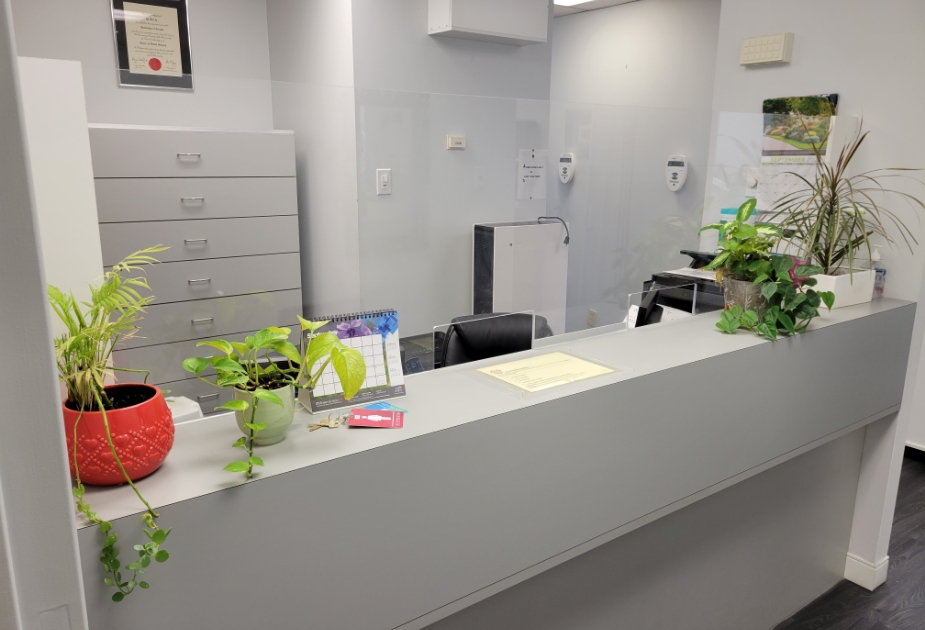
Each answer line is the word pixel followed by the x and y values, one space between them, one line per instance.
pixel 277 418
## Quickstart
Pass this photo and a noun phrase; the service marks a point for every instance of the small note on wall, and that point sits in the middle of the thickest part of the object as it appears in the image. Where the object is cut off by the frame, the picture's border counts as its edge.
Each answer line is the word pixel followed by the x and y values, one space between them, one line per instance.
pixel 531 174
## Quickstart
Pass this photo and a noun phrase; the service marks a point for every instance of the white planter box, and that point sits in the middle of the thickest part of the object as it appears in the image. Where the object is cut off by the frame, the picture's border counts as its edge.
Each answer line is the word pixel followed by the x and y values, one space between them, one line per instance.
pixel 849 289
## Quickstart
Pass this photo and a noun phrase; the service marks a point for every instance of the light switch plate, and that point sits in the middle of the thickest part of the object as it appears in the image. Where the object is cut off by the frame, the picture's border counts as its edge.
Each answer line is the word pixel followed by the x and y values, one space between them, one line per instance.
pixel 766 49
pixel 383 181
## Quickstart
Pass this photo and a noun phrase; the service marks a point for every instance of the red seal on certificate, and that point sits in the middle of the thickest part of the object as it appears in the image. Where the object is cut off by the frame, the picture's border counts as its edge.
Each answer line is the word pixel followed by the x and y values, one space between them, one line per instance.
pixel 155 64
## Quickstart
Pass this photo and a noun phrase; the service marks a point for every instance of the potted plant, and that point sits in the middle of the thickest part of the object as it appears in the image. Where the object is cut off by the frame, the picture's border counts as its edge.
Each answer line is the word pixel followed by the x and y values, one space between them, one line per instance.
pixel 265 389
pixel 830 221
pixel 115 433
pixel 790 301
pixel 744 256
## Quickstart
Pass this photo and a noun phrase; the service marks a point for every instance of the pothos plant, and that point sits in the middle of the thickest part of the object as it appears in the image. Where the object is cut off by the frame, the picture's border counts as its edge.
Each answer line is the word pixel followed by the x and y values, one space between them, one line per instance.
pixel 248 367
pixel 745 249
pixel 83 355
pixel 792 303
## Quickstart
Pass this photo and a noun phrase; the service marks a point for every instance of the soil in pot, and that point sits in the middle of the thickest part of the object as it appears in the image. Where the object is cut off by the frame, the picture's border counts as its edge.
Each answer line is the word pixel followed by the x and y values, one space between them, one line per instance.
pixel 142 431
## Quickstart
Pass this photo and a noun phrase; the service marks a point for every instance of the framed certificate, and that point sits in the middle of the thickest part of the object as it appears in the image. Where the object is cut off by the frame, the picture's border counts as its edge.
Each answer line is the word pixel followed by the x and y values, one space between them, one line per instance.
pixel 152 43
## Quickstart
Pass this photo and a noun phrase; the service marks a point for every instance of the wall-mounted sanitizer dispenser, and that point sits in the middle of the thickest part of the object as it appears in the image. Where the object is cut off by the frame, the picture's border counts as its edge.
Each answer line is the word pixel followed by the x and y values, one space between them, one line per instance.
pixel 566 167
pixel 676 172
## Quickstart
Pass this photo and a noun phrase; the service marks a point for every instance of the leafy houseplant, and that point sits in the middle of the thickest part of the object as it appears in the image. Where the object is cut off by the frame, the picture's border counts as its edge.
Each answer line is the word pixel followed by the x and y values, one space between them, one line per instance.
pixel 791 301
pixel 833 217
pixel 745 255
pixel 261 384
pixel 116 433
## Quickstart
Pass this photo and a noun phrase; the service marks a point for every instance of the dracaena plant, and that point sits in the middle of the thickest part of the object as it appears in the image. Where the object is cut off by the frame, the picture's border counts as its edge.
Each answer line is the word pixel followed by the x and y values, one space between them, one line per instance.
pixel 831 218
pixel 745 249
pixel 248 367
pixel 792 303
pixel 83 355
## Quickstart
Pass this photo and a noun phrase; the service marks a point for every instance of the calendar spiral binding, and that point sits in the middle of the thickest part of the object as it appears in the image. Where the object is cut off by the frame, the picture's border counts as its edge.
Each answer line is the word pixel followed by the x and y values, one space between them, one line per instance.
pixel 349 317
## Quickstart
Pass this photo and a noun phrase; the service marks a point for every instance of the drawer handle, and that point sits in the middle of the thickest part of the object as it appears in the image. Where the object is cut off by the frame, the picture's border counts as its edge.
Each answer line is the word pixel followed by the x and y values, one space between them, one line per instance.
pixel 195 240
pixel 202 397
pixel 199 200
pixel 198 280
pixel 189 156
pixel 203 320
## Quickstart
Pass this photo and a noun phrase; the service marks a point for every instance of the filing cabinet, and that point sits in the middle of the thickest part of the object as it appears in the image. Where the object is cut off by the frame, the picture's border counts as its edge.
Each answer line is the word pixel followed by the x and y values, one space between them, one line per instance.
pixel 225 203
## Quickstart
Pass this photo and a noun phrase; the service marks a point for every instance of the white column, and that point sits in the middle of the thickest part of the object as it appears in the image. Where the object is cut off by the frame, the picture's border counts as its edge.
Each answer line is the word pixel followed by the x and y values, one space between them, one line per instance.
pixel 41 587
pixel 884 445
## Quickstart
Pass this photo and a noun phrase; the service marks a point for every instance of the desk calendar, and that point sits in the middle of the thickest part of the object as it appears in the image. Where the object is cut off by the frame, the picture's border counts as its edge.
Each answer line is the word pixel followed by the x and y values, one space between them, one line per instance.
pixel 375 335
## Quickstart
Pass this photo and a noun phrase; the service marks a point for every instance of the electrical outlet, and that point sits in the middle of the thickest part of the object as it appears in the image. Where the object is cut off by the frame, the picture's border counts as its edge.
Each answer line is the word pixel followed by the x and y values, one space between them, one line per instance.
pixel 592 317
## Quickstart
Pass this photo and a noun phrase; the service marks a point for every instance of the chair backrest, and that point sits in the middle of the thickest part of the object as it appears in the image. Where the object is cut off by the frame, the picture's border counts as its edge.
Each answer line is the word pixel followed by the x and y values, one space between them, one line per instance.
pixel 476 337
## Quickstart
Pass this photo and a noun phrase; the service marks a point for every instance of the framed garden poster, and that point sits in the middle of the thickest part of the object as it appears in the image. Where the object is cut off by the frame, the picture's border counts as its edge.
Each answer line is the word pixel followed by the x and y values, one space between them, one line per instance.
pixel 153 43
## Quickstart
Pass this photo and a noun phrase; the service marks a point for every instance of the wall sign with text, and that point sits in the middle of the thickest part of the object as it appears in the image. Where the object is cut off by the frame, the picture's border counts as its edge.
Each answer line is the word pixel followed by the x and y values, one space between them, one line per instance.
pixel 152 43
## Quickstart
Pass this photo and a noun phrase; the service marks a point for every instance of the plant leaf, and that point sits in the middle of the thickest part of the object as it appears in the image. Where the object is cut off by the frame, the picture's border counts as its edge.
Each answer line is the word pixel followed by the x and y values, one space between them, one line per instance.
pixel 256 461
pixel 787 323
pixel 196 364
pixel 768 290
pixel 235 405
pixel 219 344
pixel 161 556
pixel 350 368
pixel 225 364
pixel 313 326
pixel 288 350
pixel 263 394
pixel 828 298
pixel 237 467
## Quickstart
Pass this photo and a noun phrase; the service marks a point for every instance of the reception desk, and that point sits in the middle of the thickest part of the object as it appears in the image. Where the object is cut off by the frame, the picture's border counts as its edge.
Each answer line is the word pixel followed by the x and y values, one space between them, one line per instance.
pixel 714 481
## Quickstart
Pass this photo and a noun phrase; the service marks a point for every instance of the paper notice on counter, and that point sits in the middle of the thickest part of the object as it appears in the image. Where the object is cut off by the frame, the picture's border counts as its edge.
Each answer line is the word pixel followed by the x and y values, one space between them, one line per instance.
pixel 531 174
pixel 545 371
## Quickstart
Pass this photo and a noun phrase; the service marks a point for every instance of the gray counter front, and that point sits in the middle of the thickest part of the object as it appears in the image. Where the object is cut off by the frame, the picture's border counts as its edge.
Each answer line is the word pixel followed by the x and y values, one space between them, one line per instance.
pixel 710 483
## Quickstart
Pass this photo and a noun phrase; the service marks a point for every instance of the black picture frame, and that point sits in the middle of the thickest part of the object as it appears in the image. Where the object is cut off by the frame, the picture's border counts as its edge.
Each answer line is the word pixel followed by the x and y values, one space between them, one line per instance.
pixel 127 78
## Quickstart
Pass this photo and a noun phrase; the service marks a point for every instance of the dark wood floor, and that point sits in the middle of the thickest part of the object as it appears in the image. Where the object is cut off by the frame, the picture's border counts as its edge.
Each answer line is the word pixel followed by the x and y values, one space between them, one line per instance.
pixel 900 603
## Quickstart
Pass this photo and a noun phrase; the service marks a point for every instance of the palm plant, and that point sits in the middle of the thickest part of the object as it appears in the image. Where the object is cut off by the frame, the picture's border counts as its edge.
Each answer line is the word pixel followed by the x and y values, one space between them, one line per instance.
pixel 832 217
pixel 84 352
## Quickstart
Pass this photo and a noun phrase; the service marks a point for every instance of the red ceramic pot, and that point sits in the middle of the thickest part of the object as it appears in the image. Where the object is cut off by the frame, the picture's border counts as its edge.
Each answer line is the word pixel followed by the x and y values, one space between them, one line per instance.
pixel 142 435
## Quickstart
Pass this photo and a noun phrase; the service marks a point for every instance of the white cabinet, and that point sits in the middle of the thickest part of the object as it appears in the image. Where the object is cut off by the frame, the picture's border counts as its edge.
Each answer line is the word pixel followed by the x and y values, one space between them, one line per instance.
pixel 225 203
pixel 516 22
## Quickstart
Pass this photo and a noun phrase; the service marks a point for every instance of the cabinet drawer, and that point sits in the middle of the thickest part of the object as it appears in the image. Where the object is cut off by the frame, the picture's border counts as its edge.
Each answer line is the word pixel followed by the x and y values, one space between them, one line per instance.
pixel 194 198
pixel 222 277
pixel 182 321
pixel 151 152
pixel 195 240
pixel 206 395
pixel 165 361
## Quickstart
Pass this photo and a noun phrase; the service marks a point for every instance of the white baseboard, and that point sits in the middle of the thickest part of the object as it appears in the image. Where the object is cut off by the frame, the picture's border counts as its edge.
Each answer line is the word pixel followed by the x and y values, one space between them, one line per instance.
pixel 864 573
pixel 914 445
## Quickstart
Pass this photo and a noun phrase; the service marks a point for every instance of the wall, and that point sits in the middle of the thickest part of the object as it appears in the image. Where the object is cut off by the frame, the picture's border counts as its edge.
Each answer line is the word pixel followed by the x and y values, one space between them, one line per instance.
pixel 412 90
pixel 873 82
pixel 631 85
pixel 311 64
pixel 62 174
pixel 231 70
pixel 41 587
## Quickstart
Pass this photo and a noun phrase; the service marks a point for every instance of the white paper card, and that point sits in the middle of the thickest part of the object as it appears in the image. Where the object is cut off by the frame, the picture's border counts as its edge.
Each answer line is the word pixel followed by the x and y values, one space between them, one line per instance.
pixel 632 316
pixel 531 174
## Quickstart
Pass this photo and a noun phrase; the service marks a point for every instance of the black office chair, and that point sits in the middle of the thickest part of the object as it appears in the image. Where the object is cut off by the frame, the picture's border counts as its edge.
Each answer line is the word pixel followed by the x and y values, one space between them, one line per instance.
pixel 476 337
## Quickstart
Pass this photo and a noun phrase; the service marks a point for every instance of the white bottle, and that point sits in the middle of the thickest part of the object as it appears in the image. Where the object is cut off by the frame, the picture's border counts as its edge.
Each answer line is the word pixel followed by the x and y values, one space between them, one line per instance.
pixel 880 269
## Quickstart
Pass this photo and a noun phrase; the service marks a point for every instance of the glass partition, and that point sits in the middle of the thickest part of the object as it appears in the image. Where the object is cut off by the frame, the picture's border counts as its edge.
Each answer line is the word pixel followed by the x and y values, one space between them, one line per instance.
pixel 661 303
